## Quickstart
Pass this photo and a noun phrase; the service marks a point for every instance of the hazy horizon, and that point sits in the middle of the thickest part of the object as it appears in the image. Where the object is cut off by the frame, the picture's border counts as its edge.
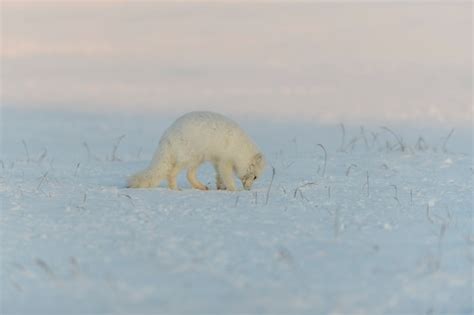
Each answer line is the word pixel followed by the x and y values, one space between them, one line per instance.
pixel 350 62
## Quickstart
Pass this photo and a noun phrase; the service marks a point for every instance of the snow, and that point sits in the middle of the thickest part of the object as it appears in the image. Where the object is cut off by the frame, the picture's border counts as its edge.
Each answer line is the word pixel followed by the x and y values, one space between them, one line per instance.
pixel 373 230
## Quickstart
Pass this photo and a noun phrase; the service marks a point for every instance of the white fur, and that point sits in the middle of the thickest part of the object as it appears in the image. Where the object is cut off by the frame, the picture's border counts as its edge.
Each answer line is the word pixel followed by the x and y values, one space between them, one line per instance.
pixel 198 137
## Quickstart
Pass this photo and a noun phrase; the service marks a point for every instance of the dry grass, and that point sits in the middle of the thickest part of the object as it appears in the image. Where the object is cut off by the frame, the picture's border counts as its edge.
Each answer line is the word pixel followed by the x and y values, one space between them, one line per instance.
pixel 270 186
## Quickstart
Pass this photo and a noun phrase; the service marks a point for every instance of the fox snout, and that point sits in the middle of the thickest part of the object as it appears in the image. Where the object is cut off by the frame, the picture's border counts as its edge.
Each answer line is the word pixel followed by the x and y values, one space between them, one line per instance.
pixel 247 184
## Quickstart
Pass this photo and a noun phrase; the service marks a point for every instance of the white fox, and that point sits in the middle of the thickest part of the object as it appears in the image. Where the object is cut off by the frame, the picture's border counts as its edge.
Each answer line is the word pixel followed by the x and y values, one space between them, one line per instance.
pixel 195 138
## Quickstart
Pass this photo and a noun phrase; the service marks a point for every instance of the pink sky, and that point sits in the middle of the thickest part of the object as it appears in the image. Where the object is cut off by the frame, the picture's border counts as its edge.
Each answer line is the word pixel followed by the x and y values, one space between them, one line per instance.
pixel 353 61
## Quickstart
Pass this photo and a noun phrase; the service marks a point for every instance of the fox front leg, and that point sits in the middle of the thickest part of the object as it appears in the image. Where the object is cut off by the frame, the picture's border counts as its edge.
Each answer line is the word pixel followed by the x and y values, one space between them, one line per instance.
pixel 225 172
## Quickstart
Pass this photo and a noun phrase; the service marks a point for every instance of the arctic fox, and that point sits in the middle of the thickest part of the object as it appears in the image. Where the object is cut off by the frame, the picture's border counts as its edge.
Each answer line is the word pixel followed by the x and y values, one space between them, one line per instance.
pixel 195 138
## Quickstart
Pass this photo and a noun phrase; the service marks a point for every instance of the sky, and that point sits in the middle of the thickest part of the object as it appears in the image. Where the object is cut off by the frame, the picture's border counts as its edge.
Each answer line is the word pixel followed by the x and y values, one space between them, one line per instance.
pixel 355 62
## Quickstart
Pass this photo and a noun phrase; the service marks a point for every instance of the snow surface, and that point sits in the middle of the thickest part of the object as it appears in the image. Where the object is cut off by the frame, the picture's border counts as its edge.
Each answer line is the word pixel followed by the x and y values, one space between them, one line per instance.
pixel 374 230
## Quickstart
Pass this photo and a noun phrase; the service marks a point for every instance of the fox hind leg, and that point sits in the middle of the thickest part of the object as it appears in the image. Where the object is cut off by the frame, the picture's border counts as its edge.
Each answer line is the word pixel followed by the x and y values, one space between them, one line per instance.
pixel 195 183
pixel 172 174
pixel 219 183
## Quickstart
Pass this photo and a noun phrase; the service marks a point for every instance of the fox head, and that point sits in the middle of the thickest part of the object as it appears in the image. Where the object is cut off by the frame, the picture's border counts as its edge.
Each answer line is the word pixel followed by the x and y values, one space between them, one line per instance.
pixel 254 170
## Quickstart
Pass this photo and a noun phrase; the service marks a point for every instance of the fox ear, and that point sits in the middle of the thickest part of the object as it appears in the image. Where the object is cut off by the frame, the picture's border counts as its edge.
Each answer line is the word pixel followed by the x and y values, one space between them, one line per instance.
pixel 258 158
pixel 256 163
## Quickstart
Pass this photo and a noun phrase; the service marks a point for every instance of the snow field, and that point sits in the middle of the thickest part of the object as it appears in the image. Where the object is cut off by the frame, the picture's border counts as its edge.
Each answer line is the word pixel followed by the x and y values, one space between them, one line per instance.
pixel 378 224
